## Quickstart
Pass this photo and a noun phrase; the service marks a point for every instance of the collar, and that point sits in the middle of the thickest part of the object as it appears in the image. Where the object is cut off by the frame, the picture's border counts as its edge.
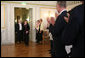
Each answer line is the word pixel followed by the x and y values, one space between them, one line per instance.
pixel 62 11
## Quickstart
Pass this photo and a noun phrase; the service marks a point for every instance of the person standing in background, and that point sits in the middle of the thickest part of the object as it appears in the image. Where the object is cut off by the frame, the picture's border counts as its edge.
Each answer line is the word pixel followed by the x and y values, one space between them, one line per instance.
pixel 19 30
pixel 40 31
pixel 37 31
pixel 52 52
pixel 57 28
pixel 26 30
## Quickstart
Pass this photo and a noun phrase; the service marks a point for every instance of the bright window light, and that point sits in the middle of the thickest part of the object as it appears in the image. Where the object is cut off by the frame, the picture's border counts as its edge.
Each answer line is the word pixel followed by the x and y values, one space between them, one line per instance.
pixel 23 3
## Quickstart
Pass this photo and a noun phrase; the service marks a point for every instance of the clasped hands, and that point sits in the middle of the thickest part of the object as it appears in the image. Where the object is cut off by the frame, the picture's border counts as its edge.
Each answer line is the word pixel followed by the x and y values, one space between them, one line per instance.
pixel 51 21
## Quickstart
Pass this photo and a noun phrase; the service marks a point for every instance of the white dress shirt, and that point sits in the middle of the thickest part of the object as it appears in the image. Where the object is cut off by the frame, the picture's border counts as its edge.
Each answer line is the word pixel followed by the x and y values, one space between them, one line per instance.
pixel 20 26
pixel 50 36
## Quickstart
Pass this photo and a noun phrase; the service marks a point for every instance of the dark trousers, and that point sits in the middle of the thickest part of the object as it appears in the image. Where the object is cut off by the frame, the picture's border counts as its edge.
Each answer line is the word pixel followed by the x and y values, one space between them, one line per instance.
pixel 26 38
pixel 39 36
pixel 19 36
pixel 51 45
pixel 59 48
pixel 52 48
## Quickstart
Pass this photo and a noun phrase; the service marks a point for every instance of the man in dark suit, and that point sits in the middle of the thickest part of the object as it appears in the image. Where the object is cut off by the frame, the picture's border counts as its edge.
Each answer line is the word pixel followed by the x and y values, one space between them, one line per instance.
pixel 74 32
pixel 52 51
pixel 19 31
pixel 57 29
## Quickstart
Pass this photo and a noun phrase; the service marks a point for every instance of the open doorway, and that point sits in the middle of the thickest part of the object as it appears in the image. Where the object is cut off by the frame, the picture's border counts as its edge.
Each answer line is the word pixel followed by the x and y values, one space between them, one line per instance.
pixel 23 14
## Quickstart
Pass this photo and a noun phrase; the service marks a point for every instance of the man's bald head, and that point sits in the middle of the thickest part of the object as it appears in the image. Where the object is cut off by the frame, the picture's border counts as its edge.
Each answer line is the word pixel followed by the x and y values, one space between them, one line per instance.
pixel 82 2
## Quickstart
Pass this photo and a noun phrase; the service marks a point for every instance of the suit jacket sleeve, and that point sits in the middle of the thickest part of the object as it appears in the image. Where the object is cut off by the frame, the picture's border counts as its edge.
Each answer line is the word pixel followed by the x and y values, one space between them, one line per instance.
pixel 28 27
pixel 72 30
pixel 16 27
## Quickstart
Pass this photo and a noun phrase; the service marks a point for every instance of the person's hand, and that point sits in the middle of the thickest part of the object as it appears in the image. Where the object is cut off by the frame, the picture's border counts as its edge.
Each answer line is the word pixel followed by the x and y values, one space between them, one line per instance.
pixel 48 20
pixel 67 18
pixel 26 32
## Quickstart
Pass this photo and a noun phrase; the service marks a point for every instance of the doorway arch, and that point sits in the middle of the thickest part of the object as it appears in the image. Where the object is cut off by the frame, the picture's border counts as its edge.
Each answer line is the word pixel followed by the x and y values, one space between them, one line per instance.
pixel 32 38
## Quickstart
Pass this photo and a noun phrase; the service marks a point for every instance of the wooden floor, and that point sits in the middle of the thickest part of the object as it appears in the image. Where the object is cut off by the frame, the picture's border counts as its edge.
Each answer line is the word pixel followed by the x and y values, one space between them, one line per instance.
pixel 20 50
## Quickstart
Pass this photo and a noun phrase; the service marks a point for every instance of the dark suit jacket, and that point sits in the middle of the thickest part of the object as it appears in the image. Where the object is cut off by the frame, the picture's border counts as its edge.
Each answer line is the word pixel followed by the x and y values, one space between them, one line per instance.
pixel 26 28
pixel 17 27
pixel 74 32
pixel 56 32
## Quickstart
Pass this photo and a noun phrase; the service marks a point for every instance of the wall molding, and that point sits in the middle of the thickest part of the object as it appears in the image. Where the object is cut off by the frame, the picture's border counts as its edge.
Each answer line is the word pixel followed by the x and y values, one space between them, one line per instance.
pixel 29 3
pixel 4 17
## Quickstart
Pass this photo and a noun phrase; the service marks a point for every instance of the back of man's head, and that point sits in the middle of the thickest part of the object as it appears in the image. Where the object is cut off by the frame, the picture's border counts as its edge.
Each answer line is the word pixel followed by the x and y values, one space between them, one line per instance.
pixel 82 2
pixel 62 3
pixel 52 19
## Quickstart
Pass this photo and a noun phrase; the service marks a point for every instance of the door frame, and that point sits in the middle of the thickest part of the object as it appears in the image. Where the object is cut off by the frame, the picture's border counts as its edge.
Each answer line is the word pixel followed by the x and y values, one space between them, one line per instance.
pixel 13 19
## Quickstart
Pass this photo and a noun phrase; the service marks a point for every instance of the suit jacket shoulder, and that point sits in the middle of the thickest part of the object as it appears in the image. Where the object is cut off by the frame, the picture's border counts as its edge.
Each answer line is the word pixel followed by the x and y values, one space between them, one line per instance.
pixel 74 26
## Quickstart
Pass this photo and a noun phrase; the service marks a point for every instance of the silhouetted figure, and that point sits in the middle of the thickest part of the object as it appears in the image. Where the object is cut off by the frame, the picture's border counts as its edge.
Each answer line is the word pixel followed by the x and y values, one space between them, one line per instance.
pixel 26 30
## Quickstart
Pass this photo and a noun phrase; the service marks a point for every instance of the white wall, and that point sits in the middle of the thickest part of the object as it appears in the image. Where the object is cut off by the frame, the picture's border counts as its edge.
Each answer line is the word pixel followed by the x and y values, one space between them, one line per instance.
pixel 7 32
